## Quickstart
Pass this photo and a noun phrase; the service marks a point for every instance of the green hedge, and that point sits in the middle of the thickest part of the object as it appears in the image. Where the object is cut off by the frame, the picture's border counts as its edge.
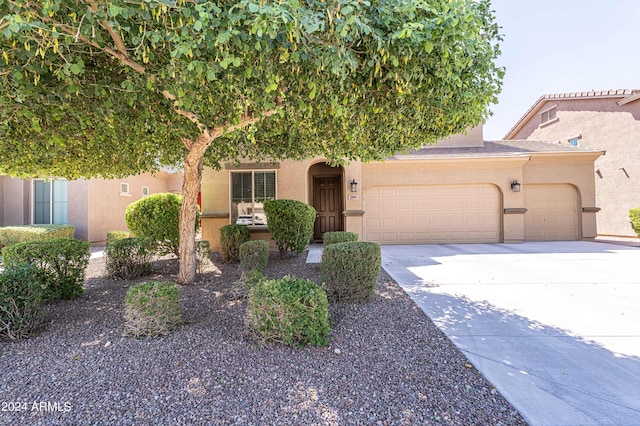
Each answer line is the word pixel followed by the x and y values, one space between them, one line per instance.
pixel 349 271
pixel 128 258
pixel 290 223
pixel 20 302
pixel 116 235
pixel 231 237
pixel 290 310
pixel 254 256
pixel 10 235
pixel 634 215
pixel 158 217
pixel 61 264
pixel 329 238
pixel 152 309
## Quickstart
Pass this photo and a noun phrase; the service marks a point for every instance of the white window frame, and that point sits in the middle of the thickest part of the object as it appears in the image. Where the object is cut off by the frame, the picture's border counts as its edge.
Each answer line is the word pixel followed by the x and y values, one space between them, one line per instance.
pixel 145 191
pixel 253 194
pixel 51 200
pixel 124 189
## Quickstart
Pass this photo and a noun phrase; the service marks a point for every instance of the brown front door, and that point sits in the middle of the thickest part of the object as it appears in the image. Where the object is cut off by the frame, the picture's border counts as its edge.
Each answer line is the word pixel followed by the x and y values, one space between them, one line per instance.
pixel 327 202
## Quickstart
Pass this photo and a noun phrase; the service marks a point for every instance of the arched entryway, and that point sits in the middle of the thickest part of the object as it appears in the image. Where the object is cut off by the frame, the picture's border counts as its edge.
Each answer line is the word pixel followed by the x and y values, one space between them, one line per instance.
pixel 326 196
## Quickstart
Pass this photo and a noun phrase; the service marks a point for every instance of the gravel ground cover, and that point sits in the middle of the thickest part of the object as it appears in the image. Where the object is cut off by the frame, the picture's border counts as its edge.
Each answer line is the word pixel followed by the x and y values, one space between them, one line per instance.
pixel 387 364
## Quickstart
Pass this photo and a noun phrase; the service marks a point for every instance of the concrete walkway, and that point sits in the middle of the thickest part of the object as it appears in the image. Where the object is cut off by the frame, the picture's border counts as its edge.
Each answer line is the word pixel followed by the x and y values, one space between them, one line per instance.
pixel 555 326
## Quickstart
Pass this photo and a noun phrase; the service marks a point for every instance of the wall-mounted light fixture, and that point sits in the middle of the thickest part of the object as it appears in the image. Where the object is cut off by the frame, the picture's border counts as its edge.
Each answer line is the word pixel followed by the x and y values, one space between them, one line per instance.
pixel 515 186
pixel 354 185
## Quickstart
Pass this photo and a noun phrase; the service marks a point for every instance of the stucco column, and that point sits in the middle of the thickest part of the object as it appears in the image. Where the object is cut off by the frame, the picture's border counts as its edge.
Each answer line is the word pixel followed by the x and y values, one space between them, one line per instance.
pixel 513 212
pixel 353 212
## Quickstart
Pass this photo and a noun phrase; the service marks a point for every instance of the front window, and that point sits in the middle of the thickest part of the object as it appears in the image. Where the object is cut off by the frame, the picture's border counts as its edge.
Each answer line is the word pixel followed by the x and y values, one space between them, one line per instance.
pixel 249 191
pixel 50 203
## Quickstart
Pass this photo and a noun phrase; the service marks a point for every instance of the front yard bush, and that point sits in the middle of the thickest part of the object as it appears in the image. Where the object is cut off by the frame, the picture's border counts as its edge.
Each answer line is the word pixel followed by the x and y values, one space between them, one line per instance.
pixel 349 271
pixel 634 215
pixel 20 302
pixel 152 309
pixel 128 258
pixel 157 217
pixel 116 235
pixel 10 235
pixel 254 256
pixel 231 237
pixel 292 311
pixel 61 264
pixel 329 238
pixel 290 223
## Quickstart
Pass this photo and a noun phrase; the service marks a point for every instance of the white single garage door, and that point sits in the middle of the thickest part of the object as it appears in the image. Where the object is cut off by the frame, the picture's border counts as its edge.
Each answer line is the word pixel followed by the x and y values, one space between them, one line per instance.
pixel 552 213
pixel 432 214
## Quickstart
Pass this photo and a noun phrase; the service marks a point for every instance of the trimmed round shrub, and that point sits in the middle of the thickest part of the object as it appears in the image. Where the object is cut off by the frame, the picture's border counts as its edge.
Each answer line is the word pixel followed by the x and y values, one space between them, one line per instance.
pixel 634 215
pixel 329 238
pixel 20 302
pixel 290 223
pixel 128 258
pixel 251 279
pixel 231 237
pixel 292 311
pixel 152 309
pixel 116 235
pixel 61 264
pixel 349 271
pixel 254 256
pixel 203 255
pixel 157 217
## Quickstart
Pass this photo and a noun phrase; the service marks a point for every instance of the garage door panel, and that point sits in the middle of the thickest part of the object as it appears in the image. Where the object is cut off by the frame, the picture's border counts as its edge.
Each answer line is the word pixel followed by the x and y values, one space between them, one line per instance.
pixel 552 213
pixel 432 214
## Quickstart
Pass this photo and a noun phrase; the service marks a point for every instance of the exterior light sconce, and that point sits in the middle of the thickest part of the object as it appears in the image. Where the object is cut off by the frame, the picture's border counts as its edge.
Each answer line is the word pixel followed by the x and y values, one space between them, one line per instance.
pixel 354 185
pixel 515 186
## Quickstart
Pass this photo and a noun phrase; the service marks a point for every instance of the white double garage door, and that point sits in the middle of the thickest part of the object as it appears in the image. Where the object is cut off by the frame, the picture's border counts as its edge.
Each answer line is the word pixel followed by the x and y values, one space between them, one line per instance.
pixel 443 214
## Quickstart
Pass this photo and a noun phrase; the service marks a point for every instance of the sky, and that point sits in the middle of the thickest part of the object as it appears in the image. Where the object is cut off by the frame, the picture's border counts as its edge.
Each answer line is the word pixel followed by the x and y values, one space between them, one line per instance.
pixel 560 46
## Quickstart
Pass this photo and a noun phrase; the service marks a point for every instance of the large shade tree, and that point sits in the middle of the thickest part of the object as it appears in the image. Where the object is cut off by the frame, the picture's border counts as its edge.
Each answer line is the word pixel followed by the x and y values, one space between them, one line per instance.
pixel 99 88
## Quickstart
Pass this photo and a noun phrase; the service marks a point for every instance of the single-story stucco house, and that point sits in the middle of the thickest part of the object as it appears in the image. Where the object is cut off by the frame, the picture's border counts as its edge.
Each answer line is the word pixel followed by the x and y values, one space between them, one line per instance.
pixel 92 206
pixel 461 190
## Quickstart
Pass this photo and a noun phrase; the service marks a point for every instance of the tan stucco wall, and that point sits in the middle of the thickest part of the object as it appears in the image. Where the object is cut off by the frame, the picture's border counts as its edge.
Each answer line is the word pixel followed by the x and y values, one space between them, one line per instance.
pixel 473 137
pixel 15 207
pixel 106 206
pixel 602 125
pixel 293 182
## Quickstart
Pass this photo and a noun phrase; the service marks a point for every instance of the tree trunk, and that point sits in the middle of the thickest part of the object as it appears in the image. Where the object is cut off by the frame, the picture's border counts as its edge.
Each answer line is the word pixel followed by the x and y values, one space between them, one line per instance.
pixel 190 189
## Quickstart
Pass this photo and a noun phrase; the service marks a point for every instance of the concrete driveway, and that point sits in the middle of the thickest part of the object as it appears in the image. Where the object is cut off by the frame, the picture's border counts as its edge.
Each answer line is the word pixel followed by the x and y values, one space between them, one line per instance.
pixel 555 326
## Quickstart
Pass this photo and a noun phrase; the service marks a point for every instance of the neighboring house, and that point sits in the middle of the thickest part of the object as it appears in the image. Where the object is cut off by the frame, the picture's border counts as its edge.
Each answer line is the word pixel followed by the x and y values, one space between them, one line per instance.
pixel 606 120
pixel 462 190
pixel 92 206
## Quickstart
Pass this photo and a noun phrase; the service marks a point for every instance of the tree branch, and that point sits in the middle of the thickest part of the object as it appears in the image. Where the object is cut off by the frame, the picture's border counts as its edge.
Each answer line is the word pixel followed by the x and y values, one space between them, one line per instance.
pixel 246 120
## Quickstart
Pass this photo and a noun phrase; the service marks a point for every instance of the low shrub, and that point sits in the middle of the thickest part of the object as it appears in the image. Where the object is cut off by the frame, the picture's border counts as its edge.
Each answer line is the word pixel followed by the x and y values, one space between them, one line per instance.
pixel 349 271
pixel 254 256
pixel 329 238
pixel 128 258
pixel 251 279
pixel 20 302
pixel 10 235
pixel 290 223
pixel 61 264
pixel 152 309
pixel 634 215
pixel 203 255
pixel 116 235
pixel 231 237
pixel 157 217
pixel 290 310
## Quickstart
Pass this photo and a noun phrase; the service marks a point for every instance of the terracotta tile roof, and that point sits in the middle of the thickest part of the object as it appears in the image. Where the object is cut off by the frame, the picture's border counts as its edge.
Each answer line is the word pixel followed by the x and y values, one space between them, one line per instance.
pixel 594 94
pixel 492 149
